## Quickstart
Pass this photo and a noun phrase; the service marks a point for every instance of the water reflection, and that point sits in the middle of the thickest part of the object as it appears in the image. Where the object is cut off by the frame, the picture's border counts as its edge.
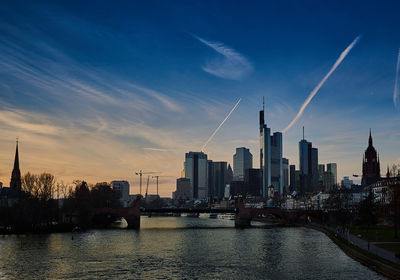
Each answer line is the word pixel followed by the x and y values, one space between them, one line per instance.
pixel 179 248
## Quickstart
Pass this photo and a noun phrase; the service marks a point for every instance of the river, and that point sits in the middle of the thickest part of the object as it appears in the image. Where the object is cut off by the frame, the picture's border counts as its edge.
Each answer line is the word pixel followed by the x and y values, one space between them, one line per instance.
pixel 179 248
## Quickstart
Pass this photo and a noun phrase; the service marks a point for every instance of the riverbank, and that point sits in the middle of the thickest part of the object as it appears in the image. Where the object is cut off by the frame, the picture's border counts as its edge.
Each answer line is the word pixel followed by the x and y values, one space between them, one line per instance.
pixel 381 265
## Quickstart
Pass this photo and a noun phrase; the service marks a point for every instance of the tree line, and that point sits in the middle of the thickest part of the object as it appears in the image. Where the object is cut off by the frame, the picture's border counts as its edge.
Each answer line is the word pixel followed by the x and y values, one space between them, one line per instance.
pixel 46 205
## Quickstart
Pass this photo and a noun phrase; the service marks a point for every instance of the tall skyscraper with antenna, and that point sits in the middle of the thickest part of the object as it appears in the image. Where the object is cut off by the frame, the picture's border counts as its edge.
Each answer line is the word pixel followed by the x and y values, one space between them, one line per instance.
pixel 265 154
pixel 271 165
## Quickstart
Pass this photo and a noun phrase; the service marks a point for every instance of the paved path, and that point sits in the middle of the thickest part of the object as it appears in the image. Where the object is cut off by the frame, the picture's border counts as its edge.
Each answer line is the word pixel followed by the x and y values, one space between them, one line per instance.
pixel 365 245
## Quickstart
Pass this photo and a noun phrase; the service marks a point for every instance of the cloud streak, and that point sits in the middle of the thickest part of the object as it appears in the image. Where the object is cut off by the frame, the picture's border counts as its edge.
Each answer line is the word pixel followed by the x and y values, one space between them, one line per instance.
pixel 321 83
pixel 232 65
pixel 396 84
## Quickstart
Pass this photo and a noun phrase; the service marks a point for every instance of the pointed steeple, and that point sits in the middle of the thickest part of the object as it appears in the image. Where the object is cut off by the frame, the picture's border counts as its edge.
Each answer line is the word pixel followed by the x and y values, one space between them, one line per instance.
pixel 388 172
pixel 16 174
pixel 370 138
pixel 16 159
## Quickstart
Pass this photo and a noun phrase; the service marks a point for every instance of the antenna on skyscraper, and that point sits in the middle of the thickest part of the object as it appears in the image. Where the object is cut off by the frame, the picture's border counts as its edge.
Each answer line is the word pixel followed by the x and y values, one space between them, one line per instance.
pixel 303 132
pixel 263 103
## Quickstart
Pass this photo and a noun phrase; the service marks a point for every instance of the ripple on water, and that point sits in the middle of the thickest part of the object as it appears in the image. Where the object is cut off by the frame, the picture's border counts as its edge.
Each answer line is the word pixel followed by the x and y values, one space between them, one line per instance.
pixel 179 248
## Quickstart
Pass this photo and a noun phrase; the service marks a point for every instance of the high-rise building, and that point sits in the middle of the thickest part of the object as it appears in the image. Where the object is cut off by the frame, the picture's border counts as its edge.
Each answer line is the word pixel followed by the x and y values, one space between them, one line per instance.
pixel 314 170
pixel 270 158
pixel 292 178
pixel 242 160
pixel 15 182
pixel 252 180
pixel 332 168
pixel 371 166
pixel 218 178
pixel 196 169
pixel 308 159
pixel 346 182
pixel 182 192
pixel 229 174
pixel 265 155
pixel 285 167
pixel 321 170
pixel 276 162
pixel 237 188
pixel 123 188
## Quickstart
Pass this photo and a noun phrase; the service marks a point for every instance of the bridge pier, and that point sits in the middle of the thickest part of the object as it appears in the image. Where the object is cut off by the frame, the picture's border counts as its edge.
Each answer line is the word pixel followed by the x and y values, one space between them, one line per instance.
pixel 133 221
pixel 242 222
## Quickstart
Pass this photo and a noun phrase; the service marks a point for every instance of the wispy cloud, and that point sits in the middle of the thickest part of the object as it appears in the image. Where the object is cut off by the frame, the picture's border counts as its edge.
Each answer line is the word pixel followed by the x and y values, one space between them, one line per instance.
pixel 156 149
pixel 322 82
pixel 232 65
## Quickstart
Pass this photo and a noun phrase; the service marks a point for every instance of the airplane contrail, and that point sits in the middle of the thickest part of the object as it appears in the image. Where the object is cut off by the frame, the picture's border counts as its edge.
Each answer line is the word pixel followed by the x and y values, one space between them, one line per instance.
pixel 396 83
pixel 215 131
pixel 316 89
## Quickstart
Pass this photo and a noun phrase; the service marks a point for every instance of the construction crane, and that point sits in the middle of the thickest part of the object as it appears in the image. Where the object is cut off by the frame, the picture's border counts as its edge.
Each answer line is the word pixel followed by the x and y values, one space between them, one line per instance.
pixel 157 181
pixel 140 173
pixel 147 187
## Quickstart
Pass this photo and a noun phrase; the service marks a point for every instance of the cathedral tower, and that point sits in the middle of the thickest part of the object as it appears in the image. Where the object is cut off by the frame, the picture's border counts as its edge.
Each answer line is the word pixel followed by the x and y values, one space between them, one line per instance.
pixel 371 166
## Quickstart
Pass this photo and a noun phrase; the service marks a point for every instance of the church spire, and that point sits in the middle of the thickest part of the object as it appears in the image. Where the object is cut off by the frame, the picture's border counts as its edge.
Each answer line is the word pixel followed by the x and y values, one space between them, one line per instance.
pixel 16 159
pixel 16 174
pixel 370 138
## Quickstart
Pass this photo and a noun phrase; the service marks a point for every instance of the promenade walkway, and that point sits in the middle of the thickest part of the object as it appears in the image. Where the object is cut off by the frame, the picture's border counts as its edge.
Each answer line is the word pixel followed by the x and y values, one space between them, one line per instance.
pixel 365 245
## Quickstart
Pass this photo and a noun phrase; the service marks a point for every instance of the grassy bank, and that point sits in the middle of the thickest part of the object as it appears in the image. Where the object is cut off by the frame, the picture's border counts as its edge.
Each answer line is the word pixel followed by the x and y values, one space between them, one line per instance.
pixel 374 262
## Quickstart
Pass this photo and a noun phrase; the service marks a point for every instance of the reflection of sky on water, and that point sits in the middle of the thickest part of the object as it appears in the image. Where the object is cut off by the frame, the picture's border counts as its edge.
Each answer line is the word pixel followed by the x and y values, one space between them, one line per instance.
pixel 172 248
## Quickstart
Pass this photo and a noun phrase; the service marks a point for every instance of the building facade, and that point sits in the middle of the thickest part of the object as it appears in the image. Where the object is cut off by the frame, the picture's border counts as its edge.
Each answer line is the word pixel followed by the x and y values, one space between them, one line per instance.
pixel 182 192
pixel 196 169
pixel 242 160
pixel 123 188
pixel 292 187
pixel 218 178
pixel 308 159
pixel 276 162
pixel 285 167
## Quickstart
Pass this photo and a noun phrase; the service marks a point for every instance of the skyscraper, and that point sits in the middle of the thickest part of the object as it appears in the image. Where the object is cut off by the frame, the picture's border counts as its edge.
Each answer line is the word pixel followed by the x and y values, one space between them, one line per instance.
pixel 123 188
pixel 303 162
pixel 285 167
pixel 321 171
pixel 270 158
pixel 252 182
pixel 265 155
pixel 242 160
pixel 196 170
pixel 276 162
pixel 15 182
pixel 332 168
pixel 308 159
pixel 292 178
pixel 371 166
pixel 314 169
pixel 218 178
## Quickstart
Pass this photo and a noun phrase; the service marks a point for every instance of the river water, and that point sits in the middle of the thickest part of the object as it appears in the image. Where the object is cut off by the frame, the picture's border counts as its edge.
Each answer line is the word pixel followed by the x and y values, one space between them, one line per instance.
pixel 179 248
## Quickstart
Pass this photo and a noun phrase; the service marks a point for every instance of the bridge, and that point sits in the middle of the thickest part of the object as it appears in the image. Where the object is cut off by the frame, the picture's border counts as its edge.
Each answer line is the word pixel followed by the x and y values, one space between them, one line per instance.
pixel 243 215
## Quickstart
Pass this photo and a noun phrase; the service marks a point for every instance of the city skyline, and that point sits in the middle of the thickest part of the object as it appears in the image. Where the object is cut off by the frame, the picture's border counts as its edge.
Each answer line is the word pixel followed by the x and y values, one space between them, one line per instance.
pixel 99 94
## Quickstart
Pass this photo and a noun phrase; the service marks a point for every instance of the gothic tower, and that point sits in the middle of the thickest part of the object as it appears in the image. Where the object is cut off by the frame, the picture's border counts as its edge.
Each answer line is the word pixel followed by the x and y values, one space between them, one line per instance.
pixel 371 165
pixel 16 174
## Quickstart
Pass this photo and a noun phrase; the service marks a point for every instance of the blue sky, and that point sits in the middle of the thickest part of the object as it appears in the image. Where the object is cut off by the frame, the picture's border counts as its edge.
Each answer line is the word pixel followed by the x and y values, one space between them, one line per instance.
pixel 96 91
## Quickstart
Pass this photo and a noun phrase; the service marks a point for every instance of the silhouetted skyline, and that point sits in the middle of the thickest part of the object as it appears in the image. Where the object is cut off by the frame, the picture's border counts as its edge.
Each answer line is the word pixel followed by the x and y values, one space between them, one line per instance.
pixel 97 92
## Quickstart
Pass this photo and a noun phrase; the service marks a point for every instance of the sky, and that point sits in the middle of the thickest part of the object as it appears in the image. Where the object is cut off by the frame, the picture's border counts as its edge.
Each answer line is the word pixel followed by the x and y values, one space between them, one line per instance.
pixel 99 91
